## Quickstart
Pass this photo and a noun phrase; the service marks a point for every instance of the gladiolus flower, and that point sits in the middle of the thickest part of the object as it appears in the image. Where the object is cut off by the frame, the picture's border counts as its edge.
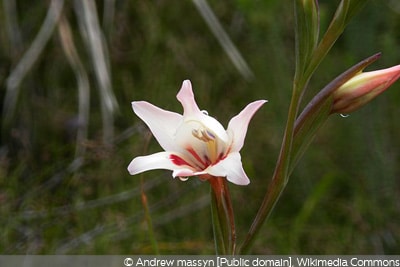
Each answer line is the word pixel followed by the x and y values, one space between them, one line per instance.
pixel 195 143
pixel 362 88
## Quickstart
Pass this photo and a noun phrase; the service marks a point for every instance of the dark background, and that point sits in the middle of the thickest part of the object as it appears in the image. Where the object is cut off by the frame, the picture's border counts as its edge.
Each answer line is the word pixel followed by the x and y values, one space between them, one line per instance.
pixel 55 198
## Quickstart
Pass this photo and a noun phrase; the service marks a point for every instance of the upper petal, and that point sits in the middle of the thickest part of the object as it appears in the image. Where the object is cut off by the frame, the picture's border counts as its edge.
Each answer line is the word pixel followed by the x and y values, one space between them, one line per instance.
pixel 238 124
pixel 186 97
pixel 191 111
pixel 162 123
pixel 231 168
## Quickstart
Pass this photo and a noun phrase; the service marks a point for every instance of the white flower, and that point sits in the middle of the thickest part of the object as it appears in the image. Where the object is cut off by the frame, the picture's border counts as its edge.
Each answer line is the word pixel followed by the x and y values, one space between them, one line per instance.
pixel 195 144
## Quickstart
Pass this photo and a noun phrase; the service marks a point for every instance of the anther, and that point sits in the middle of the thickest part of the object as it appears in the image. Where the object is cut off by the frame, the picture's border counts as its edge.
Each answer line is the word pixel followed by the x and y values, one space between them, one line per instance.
pixel 203 135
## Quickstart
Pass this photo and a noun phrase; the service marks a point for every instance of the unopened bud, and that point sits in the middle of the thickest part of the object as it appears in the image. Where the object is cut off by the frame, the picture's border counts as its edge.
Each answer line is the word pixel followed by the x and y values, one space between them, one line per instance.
pixel 362 88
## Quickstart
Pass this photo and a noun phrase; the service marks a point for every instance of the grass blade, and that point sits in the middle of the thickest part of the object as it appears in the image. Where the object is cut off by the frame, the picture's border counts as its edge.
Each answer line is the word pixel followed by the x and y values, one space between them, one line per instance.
pixel 17 75
pixel 71 53
pixel 223 38
pixel 94 40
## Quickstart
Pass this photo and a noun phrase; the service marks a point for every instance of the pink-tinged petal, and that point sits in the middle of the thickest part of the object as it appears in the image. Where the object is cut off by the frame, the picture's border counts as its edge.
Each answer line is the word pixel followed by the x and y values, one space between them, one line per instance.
pixel 162 123
pixel 237 126
pixel 186 97
pixel 231 167
pixel 160 160
pixel 362 88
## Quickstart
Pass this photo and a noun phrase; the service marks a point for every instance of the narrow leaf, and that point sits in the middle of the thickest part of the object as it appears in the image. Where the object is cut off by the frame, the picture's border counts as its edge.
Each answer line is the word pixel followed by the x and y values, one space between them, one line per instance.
pixel 346 10
pixel 307 29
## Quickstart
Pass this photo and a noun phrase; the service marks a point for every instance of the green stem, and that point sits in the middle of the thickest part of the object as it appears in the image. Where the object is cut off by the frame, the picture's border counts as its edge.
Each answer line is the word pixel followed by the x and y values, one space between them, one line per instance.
pixel 219 242
pixel 280 176
pixel 223 217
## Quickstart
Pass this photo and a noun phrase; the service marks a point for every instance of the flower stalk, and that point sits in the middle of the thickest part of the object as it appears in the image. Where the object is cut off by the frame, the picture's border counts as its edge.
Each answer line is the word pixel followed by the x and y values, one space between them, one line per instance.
pixel 222 217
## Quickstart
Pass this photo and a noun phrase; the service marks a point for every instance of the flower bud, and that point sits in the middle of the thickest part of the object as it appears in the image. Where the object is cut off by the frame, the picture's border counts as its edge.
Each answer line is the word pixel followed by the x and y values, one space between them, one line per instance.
pixel 362 88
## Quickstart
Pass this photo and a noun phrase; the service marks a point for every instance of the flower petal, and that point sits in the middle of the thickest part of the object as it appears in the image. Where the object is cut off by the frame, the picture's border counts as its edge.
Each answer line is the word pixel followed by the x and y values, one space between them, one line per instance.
pixel 186 97
pixel 160 160
pixel 162 123
pixel 238 124
pixel 231 168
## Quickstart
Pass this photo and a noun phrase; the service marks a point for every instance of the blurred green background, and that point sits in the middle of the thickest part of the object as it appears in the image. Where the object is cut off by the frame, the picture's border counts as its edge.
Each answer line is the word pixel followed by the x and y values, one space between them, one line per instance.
pixel 63 195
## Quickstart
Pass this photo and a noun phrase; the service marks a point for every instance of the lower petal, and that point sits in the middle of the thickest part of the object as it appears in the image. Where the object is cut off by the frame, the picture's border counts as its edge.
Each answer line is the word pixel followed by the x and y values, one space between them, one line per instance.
pixel 158 160
pixel 231 167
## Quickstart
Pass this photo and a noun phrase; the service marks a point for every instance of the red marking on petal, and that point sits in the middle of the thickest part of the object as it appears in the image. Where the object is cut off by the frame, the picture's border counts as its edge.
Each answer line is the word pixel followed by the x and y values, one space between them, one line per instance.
pixel 178 160
pixel 222 156
pixel 196 156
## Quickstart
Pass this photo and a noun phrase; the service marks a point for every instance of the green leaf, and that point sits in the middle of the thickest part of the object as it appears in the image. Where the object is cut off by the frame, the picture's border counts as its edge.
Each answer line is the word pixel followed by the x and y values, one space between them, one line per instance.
pixel 346 10
pixel 307 29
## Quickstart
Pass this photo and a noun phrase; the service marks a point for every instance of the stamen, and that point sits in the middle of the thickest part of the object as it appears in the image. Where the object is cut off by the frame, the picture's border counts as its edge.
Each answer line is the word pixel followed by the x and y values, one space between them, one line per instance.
pixel 203 135
pixel 209 134
pixel 196 134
